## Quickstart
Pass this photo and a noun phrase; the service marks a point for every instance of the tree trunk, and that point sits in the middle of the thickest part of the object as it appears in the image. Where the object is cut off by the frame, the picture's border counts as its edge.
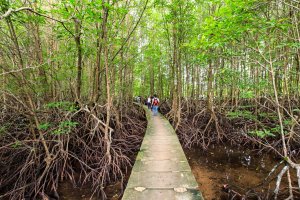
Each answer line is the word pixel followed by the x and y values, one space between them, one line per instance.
pixel 151 69
pixel 107 131
pixel 40 60
pixel 210 92
pixel 79 57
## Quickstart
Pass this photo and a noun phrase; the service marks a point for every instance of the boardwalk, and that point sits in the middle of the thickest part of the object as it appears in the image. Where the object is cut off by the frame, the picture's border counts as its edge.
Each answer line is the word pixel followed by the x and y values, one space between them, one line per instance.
pixel 161 170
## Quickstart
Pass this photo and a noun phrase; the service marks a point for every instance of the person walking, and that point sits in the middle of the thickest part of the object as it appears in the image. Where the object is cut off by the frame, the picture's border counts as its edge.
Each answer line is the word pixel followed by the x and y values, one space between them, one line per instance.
pixel 139 99
pixel 149 102
pixel 155 103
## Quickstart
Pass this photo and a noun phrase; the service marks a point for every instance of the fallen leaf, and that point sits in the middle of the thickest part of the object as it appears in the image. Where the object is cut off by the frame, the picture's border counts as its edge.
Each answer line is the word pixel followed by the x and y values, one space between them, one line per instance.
pixel 181 190
pixel 140 189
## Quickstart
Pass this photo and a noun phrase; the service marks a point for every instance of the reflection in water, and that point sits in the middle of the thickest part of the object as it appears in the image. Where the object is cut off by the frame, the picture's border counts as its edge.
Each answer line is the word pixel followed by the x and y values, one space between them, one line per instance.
pixel 241 170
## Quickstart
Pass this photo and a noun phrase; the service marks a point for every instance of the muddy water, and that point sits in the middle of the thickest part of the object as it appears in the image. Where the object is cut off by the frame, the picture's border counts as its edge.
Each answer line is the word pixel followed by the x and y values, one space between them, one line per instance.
pixel 114 191
pixel 68 191
pixel 240 169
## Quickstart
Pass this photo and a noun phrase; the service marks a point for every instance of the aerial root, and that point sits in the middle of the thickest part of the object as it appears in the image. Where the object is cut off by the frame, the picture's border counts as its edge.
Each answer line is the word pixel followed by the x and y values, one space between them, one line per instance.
pixel 78 155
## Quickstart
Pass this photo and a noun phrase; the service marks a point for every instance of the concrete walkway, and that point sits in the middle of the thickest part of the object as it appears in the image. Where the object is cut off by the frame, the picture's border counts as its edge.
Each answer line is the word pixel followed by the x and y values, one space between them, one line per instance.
pixel 161 170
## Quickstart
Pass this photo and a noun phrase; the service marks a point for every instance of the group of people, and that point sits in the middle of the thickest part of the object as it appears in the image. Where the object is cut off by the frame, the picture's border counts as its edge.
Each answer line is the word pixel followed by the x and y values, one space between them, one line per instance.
pixel 152 103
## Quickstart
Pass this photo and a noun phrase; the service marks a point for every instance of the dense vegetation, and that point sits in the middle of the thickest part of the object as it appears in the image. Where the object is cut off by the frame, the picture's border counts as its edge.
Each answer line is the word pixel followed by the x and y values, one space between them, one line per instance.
pixel 70 70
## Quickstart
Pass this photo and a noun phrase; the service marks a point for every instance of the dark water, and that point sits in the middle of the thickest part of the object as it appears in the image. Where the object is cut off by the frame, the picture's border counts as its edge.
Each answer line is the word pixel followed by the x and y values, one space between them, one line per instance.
pixel 68 191
pixel 241 169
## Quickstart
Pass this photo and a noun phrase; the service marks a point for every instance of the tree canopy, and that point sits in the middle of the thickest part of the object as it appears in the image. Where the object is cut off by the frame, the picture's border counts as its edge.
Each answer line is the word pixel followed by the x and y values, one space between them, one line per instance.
pixel 76 55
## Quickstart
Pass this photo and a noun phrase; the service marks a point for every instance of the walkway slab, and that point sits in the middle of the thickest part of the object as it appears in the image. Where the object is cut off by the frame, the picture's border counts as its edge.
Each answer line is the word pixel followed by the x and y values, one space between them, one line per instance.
pixel 161 166
pixel 161 170
pixel 160 194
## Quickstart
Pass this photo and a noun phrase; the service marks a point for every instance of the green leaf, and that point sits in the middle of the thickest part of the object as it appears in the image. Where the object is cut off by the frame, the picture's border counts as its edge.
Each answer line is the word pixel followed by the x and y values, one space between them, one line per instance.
pixel 288 122
pixel 247 94
pixel 17 144
pixel 44 126
pixel 262 133
pixel 3 130
pixel 68 124
pixel 65 105
pixel 64 127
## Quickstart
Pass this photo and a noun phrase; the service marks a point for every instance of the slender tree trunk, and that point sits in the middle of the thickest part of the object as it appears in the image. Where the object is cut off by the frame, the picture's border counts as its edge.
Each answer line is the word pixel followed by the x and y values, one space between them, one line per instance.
pixel 121 82
pixel 175 91
pixel 199 83
pixel 193 81
pixel 98 68
pixel 297 93
pixel 15 41
pixel 160 83
pixel 79 57
pixel 210 92
pixel 151 70
pixel 107 132
pixel 279 113
pixel 27 96
pixel 39 58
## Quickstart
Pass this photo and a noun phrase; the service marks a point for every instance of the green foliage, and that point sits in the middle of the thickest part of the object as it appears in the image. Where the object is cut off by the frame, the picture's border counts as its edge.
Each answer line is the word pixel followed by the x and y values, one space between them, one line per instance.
pixel 263 114
pixel 3 129
pixel 44 126
pixel 247 94
pixel 64 127
pixel 228 23
pixel 17 144
pixel 4 6
pixel 275 129
pixel 236 36
pixel 65 105
pixel 288 122
pixel 262 133
pixel 270 116
pixel 241 113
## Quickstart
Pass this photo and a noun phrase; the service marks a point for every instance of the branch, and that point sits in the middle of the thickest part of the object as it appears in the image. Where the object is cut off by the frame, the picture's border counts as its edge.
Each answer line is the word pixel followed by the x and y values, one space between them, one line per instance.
pixel 98 121
pixel 11 11
pixel 129 35
pixel 17 70
pixel 16 98
pixel 288 4
pixel 57 20
pixel 279 177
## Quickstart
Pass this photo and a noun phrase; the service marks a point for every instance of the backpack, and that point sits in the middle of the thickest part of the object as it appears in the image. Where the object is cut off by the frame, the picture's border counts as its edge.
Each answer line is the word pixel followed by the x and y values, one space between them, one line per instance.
pixel 155 102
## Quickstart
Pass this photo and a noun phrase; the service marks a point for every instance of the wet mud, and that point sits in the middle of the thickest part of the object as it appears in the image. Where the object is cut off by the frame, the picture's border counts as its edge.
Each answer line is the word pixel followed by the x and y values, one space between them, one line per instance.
pixel 241 170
